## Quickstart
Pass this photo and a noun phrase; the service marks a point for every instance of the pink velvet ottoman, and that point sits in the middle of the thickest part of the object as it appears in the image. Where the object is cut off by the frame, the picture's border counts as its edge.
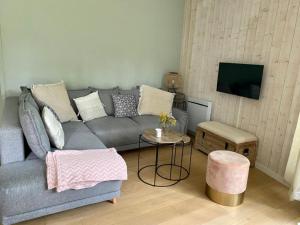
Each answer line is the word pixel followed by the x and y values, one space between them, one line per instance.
pixel 226 177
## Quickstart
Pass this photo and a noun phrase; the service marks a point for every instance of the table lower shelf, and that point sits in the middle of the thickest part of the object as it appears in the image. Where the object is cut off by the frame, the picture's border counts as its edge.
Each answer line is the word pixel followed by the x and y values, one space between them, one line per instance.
pixel 183 174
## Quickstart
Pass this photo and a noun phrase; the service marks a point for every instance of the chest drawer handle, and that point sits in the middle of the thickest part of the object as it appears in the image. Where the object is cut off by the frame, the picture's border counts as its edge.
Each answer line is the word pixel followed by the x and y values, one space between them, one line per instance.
pixel 226 146
pixel 246 152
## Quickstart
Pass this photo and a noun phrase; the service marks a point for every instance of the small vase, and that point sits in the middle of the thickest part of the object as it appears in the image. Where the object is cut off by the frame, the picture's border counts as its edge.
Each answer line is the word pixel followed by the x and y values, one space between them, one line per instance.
pixel 165 129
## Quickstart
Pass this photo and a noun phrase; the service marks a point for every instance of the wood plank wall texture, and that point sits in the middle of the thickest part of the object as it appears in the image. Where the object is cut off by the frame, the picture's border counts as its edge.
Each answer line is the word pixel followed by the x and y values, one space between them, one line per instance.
pixel 248 31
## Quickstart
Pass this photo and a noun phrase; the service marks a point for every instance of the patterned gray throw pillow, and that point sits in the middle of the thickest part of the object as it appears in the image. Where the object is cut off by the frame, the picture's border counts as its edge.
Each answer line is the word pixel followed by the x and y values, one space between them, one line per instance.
pixel 125 105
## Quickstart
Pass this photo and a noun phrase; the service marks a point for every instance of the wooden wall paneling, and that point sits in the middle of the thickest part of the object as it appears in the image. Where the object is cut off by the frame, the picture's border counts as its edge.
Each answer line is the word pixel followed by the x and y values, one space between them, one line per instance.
pixel 291 126
pixel 200 22
pixel 256 19
pixel 207 45
pixel 241 52
pixel 234 102
pixel 203 32
pixel 272 113
pixel 256 57
pixel 258 31
pixel 271 11
pixel 295 96
pixel 215 53
pixel 185 52
pixel 227 26
pixel 271 99
pixel 235 51
pixel 215 49
pixel 289 54
pixel 281 76
pixel 247 17
pixel 218 108
pixel 188 37
pixel 212 46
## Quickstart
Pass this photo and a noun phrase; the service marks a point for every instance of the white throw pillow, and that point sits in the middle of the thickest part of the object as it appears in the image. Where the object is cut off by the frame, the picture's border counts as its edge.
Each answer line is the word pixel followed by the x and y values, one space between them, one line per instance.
pixel 54 128
pixel 154 101
pixel 90 107
pixel 56 97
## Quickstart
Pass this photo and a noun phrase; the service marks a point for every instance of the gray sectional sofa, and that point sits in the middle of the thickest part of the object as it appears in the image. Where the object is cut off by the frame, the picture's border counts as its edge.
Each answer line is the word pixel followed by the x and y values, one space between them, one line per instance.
pixel 23 190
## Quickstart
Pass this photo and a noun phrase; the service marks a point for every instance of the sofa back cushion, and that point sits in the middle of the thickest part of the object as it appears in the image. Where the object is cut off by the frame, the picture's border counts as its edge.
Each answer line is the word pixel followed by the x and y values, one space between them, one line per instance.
pixel 24 92
pixel 33 126
pixel 56 97
pixel 106 99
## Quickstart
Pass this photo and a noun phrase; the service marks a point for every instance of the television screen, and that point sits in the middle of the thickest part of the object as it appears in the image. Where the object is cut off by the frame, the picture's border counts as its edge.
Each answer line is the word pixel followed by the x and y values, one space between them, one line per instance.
pixel 240 79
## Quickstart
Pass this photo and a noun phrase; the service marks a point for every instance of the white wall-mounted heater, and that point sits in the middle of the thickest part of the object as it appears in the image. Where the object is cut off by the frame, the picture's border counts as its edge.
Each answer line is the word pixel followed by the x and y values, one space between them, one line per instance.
pixel 198 111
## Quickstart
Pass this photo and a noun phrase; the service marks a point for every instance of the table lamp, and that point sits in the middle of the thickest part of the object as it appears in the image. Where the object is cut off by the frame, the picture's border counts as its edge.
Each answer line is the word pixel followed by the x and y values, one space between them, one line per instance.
pixel 173 81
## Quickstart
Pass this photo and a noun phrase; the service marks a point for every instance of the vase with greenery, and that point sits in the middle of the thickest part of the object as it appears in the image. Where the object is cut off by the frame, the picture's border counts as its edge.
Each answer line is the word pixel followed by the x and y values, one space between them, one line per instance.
pixel 166 121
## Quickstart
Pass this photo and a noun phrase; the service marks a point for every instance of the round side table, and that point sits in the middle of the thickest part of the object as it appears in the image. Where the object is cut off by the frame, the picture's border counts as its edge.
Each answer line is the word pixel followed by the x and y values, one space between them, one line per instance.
pixel 173 139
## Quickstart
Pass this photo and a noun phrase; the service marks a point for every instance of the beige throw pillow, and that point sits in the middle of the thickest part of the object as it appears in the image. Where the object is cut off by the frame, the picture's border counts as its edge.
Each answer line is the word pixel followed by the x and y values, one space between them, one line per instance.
pixel 154 101
pixel 56 97
pixel 90 107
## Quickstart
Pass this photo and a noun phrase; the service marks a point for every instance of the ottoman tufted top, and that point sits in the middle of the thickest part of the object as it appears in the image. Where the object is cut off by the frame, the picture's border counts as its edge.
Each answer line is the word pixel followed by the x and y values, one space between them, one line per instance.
pixel 229 158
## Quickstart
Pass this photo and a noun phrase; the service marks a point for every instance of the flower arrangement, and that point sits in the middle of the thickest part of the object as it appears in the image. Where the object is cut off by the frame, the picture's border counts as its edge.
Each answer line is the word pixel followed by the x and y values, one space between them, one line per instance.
pixel 166 120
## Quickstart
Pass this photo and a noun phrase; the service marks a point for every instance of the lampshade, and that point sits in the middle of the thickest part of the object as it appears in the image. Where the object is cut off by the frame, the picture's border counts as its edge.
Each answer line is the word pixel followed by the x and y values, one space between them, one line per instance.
pixel 173 80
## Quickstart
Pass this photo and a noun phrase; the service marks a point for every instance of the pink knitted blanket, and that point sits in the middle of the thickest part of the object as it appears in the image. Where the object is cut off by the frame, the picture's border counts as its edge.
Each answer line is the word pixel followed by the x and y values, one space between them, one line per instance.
pixel 73 169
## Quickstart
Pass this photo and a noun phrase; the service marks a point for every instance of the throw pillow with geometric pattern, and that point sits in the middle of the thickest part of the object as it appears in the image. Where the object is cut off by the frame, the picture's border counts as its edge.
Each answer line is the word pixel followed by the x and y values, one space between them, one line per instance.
pixel 125 105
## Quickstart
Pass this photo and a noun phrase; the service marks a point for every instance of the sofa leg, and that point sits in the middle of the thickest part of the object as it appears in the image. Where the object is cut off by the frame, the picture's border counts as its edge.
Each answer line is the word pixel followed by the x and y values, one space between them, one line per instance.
pixel 113 201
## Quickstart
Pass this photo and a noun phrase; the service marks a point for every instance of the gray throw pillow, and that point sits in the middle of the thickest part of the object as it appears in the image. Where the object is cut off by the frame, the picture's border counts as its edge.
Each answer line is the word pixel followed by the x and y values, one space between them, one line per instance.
pixel 25 91
pixel 33 126
pixel 125 105
pixel 106 98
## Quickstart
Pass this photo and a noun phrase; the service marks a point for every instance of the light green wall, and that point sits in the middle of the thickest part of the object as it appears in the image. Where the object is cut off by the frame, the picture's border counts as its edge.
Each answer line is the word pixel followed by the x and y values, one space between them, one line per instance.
pixel 90 42
pixel 2 86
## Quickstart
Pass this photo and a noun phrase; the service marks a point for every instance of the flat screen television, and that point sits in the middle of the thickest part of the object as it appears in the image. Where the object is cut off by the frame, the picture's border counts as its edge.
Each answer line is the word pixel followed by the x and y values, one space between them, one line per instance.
pixel 240 79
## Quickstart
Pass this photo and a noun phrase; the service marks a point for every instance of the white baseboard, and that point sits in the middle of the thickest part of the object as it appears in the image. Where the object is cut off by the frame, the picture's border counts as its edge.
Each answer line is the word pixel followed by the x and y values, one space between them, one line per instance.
pixel 271 173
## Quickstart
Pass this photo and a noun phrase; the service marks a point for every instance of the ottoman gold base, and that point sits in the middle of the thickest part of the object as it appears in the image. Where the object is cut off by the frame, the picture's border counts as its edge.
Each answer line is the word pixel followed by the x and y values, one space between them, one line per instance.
pixel 223 198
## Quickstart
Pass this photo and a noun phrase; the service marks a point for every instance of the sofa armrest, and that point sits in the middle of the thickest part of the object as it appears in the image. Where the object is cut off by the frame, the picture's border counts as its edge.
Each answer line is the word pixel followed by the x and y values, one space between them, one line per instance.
pixel 11 134
pixel 181 118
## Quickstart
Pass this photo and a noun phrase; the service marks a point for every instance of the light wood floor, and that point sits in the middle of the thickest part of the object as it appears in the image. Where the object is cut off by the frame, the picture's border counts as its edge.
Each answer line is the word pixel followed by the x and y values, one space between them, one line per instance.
pixel 266 202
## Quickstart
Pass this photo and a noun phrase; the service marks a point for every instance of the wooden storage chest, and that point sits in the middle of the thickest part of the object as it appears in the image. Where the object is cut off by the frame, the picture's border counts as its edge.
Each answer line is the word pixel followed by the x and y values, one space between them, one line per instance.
pixel 213 135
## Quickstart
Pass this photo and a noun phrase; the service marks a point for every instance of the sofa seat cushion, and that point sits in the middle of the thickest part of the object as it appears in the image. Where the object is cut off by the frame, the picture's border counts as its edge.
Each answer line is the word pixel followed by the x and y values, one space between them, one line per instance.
pixel 115 131
pixel 25 183
pixel 150 121
pixel 79 137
